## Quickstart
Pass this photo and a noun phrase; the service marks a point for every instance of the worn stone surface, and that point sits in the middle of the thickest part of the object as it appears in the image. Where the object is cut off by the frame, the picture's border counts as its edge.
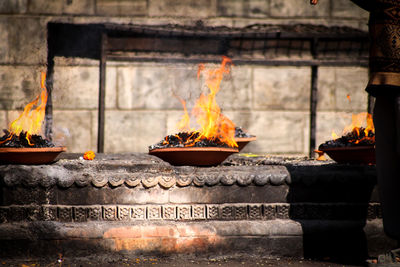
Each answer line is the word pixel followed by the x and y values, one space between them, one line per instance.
pixel 172 8
pixel 282 88
pixel 76 87
pixel 79 7
pixel 121 8
pixel 135 130
pixel 242 8
pixel 20 85
pixel 25 41
pixel 347 9
pixel 70 130
pixel 46 7
pixel 13 7
pixel 296 8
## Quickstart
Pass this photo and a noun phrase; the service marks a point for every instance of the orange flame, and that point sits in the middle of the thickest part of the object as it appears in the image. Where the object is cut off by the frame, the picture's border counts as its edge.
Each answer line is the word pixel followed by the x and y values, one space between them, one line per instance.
pixel 30 120
pixel 213 124
pixel 356 124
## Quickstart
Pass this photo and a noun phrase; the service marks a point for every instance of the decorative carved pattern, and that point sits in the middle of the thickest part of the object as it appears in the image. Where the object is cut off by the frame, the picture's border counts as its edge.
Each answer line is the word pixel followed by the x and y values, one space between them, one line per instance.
pixel 261 178
pixel 227 179
pixel 133 180
pixel 150 181
pixel 65 214
pixel 99 180
pixel 109 213
pixel 80 214
pixel 83 180
pixel 199 211
pixel 255 212
pixel 240 212
pixel 93 213
pixel 184 180
pixel 212 212
pixel 167 181
pixel 124 213
pixel 154 212
pixel 227 212
pixel 243 211
pixel 139 212
pixel 49 213
pixel 245 180
pixel 212 180
pixel 169 212
pixel 184 212
pixel 116 180
pixel 269 211
pixel 199 179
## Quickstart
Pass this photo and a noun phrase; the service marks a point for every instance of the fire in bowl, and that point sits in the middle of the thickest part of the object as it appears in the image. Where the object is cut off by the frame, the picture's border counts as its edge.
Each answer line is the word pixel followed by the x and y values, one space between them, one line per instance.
pixel 29 155
pixel 352 154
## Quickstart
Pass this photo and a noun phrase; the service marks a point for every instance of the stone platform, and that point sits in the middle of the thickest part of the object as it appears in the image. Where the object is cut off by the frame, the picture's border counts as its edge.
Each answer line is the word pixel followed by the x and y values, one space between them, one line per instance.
pixel 137 204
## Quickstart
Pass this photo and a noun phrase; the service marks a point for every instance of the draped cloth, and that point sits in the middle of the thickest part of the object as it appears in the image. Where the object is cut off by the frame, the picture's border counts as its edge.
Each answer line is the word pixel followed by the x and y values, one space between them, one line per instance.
pixel 384 29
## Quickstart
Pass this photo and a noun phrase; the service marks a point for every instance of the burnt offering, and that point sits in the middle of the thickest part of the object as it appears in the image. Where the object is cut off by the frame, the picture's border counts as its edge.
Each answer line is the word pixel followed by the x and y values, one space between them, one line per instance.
pixel 357 137
pixel 191 139
pixel 23 140
pixel 239 133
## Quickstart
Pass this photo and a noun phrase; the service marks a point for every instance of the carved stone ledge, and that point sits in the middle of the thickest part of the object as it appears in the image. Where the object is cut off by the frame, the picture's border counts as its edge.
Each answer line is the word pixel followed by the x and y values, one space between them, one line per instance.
pixel 180 212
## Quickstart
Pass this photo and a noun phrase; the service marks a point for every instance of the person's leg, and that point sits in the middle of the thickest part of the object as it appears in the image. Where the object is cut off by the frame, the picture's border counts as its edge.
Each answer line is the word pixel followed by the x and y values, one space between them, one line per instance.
pixel 387 130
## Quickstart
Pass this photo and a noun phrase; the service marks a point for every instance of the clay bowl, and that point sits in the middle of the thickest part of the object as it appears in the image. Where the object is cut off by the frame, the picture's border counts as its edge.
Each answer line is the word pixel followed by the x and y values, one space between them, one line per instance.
pixel 27 155
pixel 193 156
pixel 243 141
pixel 355 154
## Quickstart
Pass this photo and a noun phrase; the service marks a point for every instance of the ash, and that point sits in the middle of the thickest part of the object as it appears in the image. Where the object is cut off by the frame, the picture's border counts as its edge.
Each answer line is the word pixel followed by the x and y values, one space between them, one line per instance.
pixel 19 141
pixel 349 140
pixel 186 139
pixel 241 134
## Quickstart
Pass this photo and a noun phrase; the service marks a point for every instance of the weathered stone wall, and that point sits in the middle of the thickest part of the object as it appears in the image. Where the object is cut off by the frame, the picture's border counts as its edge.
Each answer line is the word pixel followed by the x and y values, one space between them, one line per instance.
pixel 270 102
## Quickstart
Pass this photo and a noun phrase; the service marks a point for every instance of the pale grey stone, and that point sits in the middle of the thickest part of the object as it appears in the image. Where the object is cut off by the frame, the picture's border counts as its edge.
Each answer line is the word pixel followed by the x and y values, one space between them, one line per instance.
pixel 19 86
pixel 74 130
pixel 121 8
pixel 276 131
pixel 243 8
pixel 347 9
pixel 77 87
pixel 79 7
pixel 157 86
pixel 133 131
pixel 46 6
pixel 3 121
pixel 352 82
pixel 326 88
pixel 278 88
pixel 176 8
pixel 299 8
pixel 13 6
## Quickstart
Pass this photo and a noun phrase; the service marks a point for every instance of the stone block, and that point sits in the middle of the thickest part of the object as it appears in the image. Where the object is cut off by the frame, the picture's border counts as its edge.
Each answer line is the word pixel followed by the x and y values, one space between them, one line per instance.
pixel 347 9
pixel 243 8
pixel 79 7
pixel 176 8
pixel 19 86
pixel 133 131
pixel 155 87
pixel 73 129
pixel 13 6
pixel 235 92
pixel 299 8
pixel 352 82
pixel 25 40
pixel 326 88
pixel 121 8
pixel 45 6
pixel 77 87
pixel 276 131
pixel 3 121
pixel 277 88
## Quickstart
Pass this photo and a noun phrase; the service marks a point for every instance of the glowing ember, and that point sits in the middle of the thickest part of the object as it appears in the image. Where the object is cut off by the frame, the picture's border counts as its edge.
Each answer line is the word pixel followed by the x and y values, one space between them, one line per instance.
pixel 214 128
pixel 25 130
pixel 354 134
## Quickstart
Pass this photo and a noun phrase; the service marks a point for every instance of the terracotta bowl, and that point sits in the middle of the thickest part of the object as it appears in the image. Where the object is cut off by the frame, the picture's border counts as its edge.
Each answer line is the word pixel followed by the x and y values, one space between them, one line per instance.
pixel 356 154
pixel 243 141
pixel 27 155
pixel 193 156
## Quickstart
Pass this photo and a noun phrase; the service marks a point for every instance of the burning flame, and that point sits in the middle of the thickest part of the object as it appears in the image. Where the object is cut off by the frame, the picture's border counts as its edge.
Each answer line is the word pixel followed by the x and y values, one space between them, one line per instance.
pixel 30 120
pixel 213 124
pixel 361 134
